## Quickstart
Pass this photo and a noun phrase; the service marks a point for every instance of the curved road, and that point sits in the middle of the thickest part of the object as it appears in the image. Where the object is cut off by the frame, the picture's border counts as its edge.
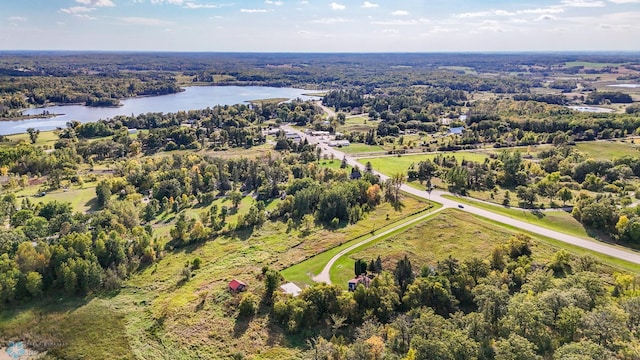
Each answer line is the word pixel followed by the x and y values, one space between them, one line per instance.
pixel 324 274
pixel 436 195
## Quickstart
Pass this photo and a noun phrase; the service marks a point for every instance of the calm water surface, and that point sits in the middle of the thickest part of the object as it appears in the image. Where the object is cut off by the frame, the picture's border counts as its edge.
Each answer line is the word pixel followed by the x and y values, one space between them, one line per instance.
pixel 193 98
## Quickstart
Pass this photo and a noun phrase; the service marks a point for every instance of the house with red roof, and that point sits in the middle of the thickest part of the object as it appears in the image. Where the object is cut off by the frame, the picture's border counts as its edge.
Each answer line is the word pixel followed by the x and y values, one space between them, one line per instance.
pixel 236 286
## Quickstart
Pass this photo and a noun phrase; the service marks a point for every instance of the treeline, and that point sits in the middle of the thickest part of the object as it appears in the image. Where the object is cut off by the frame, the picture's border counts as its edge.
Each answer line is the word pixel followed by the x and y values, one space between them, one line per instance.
pixel 95 90
pixel 599 98
pixel 507 306
pixel 545 98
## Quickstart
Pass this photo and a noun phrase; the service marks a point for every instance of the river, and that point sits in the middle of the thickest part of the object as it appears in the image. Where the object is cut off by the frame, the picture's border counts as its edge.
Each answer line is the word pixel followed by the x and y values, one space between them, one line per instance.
pixel 193 98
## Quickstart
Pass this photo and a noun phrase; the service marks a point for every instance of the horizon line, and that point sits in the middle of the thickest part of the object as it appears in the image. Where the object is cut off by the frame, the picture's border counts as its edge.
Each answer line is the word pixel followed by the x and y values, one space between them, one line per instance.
pixel 488 52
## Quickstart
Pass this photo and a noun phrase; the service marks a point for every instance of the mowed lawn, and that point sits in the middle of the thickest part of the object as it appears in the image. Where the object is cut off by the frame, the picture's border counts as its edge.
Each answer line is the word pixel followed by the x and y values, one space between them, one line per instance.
pixel 45 138
pixel 450 233
pixel 607 150
pixel 400 164
pixel 81 198
pixel 356 148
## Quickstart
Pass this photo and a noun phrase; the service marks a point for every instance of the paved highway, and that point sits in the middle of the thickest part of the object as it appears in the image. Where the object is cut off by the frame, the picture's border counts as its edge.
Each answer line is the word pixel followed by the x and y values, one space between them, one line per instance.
pixel 437 196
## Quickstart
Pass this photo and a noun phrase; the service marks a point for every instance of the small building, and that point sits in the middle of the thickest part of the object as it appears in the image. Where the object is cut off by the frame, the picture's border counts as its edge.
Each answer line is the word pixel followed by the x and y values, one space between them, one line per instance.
pixel 339 143
pixel 132 131
pixel 236 286
pixel 456 130
pixel 291 289
pixel 320 133
pixel 294 136
pixel 361 279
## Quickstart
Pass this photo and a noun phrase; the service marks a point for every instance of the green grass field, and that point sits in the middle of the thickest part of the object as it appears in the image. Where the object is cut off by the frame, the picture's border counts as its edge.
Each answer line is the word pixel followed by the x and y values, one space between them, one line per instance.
pixel 358 123
pixel 301 273
pixel 557 220
pixel 449 233
pixel 79 197
pixel 45 138
pixel 590 65
pixel 356 148
pixel 461 235
pixel 607 150
pixel 394 164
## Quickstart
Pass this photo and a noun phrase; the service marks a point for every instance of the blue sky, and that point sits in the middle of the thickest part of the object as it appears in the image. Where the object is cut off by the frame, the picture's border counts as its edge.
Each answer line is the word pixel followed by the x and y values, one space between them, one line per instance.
pixel 320 25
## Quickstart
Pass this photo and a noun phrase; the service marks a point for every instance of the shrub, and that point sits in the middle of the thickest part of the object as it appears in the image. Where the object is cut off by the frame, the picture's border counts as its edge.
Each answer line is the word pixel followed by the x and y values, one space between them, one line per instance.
pixel 248 305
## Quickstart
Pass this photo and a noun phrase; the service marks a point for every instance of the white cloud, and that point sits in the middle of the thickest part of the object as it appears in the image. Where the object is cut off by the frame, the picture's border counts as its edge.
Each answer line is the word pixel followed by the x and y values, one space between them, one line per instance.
pixel 97 3
pixel 336 6
pixel 77 10
pixel 551 10
pixel 395 22
pixel 145 21
pixel 474 14
pixel 369 5
pixel 328 21
pixel 85 17
pixel 400 13
pixel 438 29
pixel 17 18
pixel 253 11
pixel 390 31
pixel 172 2
pixel 489 13
pixel 582 3
pixel 276 3
pixel 191 5
pixel 546 17
pixel 625 1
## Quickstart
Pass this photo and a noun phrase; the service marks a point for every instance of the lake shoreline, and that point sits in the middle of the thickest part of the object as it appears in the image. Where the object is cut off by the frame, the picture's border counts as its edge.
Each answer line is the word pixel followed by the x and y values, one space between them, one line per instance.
pixel 191 98
pixel 30 117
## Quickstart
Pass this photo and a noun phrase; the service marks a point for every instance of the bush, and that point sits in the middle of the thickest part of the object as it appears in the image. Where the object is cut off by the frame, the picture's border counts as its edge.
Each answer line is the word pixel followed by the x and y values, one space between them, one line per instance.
pixel 248 305
pixel 195 264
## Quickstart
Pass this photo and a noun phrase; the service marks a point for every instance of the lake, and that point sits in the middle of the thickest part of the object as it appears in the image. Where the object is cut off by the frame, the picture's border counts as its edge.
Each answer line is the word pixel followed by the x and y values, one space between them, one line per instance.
pixel 628 86
pixel 193 98
pixel 592 109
